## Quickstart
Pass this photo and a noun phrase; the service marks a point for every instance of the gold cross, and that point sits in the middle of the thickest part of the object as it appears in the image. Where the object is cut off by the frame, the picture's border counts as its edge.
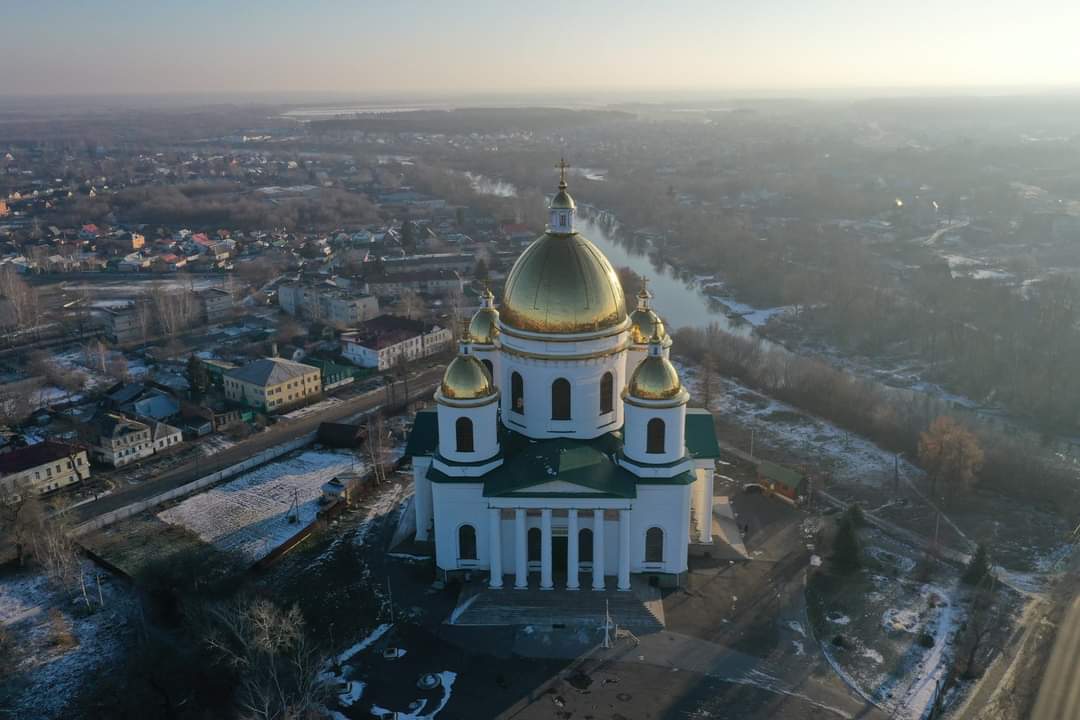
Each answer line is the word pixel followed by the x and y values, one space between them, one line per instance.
pixel 562 167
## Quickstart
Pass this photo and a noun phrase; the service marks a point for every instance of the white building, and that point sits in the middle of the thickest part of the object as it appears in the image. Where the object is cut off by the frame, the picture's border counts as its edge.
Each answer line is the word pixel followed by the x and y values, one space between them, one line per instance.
pixel 561 451
pixel 384 340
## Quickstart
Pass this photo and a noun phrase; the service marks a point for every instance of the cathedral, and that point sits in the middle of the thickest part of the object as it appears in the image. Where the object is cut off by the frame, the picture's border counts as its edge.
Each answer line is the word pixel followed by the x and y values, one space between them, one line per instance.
pixel 561 452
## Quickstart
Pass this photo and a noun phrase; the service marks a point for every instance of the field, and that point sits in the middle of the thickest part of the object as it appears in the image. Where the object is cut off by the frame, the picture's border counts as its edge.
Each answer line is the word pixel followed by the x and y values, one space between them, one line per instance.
pixel 258 511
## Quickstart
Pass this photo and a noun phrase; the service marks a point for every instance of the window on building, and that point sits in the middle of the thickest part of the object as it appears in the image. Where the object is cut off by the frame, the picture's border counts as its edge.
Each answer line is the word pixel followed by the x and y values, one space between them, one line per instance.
pixel 607 393
pixel 517 393
pixel 534 544
pixel 654 545
pixel 466 542
pixel 654 436
pixel 560 399
pixel 489 366
pixel 464 430
pixel 585 545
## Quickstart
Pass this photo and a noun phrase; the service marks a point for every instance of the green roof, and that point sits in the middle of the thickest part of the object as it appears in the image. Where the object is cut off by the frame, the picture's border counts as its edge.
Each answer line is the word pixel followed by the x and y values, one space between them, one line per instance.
pixel 424 438
pixel 780 474
pixel 701 434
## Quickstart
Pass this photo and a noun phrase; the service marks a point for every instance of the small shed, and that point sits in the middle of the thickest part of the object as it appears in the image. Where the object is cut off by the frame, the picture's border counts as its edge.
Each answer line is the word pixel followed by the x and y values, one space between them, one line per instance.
pixel 346 486
pixel 780 480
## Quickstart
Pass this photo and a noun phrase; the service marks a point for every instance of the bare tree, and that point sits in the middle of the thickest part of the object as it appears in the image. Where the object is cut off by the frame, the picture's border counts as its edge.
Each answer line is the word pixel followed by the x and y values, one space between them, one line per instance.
pixel 410 304
pixel 978 628
pixel 951 454
pixel 20 518
pixel 23 298
pixel 278 666
pixel 375 446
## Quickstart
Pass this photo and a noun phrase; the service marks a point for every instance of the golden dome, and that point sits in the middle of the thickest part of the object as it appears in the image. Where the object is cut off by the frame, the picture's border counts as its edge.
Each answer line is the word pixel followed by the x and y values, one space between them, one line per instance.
pixel 482 328
pixel 655 378
pixel 643 323
pixel 562 199
pixel 562 284
pixel 466 378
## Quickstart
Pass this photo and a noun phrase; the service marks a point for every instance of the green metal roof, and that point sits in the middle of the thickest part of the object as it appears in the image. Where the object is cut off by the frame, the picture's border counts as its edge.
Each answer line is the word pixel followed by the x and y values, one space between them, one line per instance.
pixel 424 438
pixel 780 474
pixel 701 434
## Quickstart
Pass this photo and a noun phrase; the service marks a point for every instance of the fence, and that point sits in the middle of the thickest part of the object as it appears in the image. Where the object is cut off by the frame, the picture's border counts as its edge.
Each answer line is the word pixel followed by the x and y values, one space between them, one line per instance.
pixel 135 508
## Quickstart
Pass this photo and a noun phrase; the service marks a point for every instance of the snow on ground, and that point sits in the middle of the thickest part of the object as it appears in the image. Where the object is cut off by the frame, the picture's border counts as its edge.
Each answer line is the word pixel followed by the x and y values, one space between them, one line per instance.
pixel 853 457
pixel 249 515
pixel 416 709
pixel 900 563
pixel 56 645
pixel 312 409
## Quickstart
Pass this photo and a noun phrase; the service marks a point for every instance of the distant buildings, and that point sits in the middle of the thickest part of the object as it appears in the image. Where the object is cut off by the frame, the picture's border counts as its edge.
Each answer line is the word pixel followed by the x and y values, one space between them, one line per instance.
pixel 123 324
pixel 382 341
pixel 272 384
pixel 454 262
pixel 431 282
pixel 214 303
pixel 327 303
pixel 42 468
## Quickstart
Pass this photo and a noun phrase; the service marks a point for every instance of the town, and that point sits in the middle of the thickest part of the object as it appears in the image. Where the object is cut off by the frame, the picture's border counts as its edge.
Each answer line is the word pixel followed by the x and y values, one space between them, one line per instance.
pixel 782 438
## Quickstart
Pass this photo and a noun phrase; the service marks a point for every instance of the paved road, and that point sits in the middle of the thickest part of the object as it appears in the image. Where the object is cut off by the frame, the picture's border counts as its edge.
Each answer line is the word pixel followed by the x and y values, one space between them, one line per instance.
pixel 420 385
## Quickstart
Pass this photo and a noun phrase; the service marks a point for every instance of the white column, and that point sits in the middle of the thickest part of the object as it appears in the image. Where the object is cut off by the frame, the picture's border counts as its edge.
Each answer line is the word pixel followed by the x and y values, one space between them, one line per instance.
pixel 521 551
pixel 495 547
pixel 598 549
pixel 546 582
pixel 624 550
pixel 571 550
pixel 705 522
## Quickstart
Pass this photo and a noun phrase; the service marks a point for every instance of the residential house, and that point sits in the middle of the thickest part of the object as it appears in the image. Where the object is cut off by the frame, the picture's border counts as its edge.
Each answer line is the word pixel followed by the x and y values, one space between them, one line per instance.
pixel 327 302
pixel 42 468
pixel 215 303
pixel 272 384
pixel 122 324
pixel 381 342
pixel 118 440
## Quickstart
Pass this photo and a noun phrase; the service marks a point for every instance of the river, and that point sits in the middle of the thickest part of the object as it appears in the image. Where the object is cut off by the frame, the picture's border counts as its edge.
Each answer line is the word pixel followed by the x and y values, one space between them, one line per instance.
pixel 683 304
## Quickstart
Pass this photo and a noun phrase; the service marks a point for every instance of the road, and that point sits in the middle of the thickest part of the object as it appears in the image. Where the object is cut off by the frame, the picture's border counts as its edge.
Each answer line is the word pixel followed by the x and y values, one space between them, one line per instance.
pixel 420 385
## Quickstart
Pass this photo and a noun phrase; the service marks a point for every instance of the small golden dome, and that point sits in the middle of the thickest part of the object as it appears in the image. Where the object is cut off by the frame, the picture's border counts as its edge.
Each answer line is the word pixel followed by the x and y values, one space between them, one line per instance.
pixel 483 328
pixel 563 200
pixel 644 322
pixel 562 284
pixel 466 378
pixel 655 378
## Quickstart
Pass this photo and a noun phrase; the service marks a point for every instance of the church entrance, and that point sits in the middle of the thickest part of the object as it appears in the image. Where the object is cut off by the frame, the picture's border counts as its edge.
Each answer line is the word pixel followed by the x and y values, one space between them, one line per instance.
pixel 558 555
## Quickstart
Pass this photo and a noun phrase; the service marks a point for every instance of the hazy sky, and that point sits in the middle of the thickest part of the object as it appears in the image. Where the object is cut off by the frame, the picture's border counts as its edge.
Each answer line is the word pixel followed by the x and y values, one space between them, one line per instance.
pixel 392 46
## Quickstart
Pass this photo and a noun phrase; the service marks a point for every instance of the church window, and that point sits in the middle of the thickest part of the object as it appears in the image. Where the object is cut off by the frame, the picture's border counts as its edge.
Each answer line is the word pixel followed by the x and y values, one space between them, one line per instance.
pixel 585 545
pixel 517 393
pixel 560 399
pixel 654 436
pixel 607 393
pixel 464 431
pixel 466 542
pixel 654 545
pixel 534 544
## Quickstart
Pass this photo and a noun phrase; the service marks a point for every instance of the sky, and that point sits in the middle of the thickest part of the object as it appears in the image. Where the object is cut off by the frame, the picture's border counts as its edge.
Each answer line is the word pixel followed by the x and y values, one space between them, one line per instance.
pixel 402 47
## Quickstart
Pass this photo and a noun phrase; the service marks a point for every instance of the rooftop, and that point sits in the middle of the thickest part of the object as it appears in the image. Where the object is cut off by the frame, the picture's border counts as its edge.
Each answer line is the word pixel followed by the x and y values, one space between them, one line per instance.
pixel 270 371
pixel 20 459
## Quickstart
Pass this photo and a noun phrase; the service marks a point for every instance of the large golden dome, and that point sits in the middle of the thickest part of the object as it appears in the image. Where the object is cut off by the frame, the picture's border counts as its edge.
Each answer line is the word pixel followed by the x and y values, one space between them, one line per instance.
pixel 466 378
pixel 562 283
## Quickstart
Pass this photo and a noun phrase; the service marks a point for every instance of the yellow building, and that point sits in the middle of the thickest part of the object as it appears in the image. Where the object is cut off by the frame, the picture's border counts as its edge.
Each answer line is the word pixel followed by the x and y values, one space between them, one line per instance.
pixel 272 384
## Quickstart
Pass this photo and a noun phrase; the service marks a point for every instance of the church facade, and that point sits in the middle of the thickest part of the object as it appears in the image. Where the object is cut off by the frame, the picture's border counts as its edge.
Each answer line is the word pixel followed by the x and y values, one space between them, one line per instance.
pixel 561 451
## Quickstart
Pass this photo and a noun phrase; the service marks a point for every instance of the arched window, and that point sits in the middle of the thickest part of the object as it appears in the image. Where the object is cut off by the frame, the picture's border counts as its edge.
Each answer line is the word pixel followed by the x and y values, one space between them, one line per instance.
pixel 466 542
pixel 607 393
pixel 517 393
pixel 534 544
pixel 654 545
pixel 560 399
pixel 489 366
pixel 654 436
pixel 585 545
pixel 464 430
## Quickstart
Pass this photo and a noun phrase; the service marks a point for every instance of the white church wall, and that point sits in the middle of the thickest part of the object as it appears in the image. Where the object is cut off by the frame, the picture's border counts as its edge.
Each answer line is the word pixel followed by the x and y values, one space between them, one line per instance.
pixel 459 503
pixel 666 507
pixel 485 431
pixel 422 503
pixel 635 428
pixel 584 377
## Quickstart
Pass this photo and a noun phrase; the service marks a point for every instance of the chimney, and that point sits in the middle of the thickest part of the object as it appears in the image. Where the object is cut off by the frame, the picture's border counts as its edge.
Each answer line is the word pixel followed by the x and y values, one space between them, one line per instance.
pixel 273 349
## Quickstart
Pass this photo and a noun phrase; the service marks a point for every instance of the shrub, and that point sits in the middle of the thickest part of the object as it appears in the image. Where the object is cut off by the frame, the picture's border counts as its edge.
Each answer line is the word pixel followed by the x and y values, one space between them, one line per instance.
pixel 847 555
pixel 978 567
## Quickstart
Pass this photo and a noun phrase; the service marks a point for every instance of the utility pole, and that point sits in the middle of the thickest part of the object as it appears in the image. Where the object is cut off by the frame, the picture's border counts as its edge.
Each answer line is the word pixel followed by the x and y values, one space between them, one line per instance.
pixel 751 442
pixel 390 599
